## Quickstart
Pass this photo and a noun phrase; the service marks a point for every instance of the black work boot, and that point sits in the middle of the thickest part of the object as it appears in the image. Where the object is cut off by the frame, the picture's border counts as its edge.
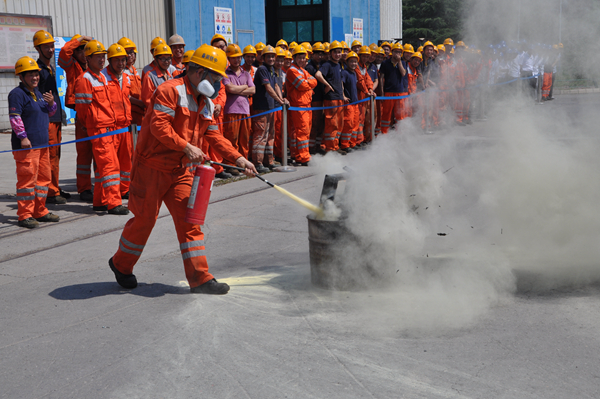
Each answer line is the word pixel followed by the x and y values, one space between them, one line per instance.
pixel 86 196
pixel 119 210
pixel 29 223
pixel 125 280
pixel 49 217
pixel 211 287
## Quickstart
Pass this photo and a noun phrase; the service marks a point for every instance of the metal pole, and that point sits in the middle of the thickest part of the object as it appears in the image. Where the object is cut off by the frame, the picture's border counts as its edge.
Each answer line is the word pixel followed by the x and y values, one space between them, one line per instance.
pixel 372 103
pixel 134 134
pixel 284 166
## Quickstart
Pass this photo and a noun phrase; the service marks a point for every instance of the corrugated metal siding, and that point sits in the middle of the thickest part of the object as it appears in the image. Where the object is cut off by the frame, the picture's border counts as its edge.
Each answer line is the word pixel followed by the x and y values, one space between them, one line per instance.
pixel 390 19
pixel 107 20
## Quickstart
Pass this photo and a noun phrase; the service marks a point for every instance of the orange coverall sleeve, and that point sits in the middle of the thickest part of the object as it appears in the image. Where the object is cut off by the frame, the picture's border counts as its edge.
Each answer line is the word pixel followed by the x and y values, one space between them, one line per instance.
pixel 222 97
pixel 65 57
pixel 299 81
pixel 219 143
pixel 162 117
pixel 83 101
pixel 147 89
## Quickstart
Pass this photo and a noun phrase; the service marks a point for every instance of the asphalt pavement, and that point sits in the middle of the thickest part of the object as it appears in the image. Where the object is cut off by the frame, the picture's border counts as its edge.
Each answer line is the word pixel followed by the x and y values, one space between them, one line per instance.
pixel 67 330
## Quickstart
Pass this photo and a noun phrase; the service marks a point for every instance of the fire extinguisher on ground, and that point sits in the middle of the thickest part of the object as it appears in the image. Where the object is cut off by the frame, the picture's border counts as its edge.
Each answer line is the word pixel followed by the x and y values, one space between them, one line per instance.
pixel 200 195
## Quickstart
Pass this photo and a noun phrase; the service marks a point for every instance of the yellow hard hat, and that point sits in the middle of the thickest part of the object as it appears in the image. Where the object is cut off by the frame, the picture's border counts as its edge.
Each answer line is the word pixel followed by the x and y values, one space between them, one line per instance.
pixel 299 50
pixel 269 50
pixel 288 54
pixel 555 46
pixel 373 47
pixel 187 56
pixel 210 58
pixel 280 52
pixel 428 43
pixel 94 47
pixel 386 44
pixel 318 46
pixel 420 49
pixel 83 42
pixel 356 43
pixel 417 55
pixel 175 40
pixel 156 41
pixel 461 44
pixel 260 46
pixel 282 42
pixel 380 50
pixel 363 50
pixel 326 47
pixel 292 45
pixel 449 42
pixel 233 50
pixel 127 43
pixel 441 47
pixel 25 64
pixel 397 46
pixel 42 37
pixel 307 46
pixel 408 48
pixel 116 50
pixel 451 51
pixel 351 54
pixel 249 49
pixel 216 38
pixel 335 45
pixel 345 45
pixel 162 49
pixel 560 45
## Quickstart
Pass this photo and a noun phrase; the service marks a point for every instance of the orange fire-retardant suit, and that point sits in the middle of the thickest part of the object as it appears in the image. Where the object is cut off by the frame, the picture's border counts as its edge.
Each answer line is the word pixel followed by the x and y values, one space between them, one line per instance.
pixel 460 81
pixel 137 113
pixel 160 175
pixel 547 85
pixel 119 91
pixel 153 78
pixel 94 107
pixel 74 71
pixel 348 135
pixel 411 103
pixel 364 84
pixel 299 85
pixel 206 147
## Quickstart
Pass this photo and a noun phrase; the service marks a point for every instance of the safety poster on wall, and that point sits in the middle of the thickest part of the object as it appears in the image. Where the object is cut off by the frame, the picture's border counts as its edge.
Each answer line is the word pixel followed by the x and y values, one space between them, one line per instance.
pixel 224 23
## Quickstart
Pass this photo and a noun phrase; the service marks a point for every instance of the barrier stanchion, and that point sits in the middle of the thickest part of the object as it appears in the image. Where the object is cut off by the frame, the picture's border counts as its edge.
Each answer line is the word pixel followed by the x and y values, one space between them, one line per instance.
pixel 372 104
pixel 284 157
pixel 134 134
pixel 538 92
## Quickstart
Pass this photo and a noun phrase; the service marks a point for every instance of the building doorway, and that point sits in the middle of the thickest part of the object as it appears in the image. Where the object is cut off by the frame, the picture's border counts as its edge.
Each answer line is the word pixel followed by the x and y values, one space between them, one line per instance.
pixel 297 20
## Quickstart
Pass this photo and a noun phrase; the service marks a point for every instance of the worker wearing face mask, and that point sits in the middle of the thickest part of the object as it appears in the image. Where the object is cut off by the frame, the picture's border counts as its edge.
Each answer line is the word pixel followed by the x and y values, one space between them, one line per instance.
pixel 180 115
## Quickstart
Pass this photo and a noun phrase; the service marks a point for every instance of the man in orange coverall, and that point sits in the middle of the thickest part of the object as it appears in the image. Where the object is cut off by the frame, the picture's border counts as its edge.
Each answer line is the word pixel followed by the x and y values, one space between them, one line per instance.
pixel 72 59
pixel 180 115
pixel 299 86
pixel 158 73
pixel 138 108
pixel 93 105
pixel 119 90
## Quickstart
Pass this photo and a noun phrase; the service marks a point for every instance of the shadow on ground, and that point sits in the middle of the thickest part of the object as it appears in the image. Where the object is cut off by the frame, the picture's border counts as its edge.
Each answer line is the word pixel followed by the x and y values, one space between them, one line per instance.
pixel 94 290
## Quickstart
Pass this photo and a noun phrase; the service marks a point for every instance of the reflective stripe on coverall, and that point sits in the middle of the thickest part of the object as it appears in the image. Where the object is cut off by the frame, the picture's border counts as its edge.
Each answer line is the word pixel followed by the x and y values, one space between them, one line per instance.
pixel 33 178
pixel 153 78
pixel 160 175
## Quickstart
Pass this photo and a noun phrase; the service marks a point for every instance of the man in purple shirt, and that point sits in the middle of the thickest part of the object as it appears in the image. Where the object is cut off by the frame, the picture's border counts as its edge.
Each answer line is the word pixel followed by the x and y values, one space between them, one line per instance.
pixel 239 86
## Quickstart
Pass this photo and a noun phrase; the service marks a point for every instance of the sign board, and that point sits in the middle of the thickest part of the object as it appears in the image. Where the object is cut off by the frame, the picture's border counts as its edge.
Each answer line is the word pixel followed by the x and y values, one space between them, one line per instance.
pixel 358 29
pixel 16 37
pixel 61 79
pixel 224 23
pixel 348 39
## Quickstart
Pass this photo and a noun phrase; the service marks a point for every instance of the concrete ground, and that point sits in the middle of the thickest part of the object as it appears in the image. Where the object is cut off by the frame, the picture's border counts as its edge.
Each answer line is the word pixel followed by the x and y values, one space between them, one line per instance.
pixel 69 331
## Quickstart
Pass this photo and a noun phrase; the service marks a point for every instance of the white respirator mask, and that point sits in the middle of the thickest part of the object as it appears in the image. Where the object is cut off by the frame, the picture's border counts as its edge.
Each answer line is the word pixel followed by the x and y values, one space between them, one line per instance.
pixel 207 89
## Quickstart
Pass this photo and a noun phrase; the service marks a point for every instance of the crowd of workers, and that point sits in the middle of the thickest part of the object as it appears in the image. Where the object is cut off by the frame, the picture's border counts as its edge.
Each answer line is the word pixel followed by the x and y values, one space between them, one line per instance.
pixel 222 103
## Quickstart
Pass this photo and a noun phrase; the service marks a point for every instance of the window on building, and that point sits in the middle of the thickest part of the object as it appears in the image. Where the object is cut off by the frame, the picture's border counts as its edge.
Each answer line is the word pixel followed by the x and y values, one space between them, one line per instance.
pixel 300 2
pixel 302 31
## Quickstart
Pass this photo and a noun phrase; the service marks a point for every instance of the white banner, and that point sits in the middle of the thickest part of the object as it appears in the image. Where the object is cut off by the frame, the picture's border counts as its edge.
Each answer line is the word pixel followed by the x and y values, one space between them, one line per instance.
pixel 357 29
pixel 224 23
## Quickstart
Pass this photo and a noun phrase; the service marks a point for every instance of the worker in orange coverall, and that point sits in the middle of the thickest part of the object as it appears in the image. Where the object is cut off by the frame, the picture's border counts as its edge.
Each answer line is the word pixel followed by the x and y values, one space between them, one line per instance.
pixel 93 105
pixel 72 59
pixel 158 73
pixel 119 89
pixel 364 84
pixel 180 115
pixel 299 88
pixel 138 108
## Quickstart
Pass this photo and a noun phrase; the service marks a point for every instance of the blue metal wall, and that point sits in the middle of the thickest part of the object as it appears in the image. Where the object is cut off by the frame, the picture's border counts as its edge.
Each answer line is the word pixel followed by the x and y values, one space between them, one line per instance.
pixel 195 20
pixel 342 12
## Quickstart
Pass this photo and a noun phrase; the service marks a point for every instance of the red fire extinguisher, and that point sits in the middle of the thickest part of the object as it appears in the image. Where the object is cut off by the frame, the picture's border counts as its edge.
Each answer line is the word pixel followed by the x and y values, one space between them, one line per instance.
pixel 200 195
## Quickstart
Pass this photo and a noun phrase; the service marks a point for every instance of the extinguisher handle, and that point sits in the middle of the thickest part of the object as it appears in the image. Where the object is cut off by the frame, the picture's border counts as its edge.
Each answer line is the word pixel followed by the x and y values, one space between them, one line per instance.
pixel 227 166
